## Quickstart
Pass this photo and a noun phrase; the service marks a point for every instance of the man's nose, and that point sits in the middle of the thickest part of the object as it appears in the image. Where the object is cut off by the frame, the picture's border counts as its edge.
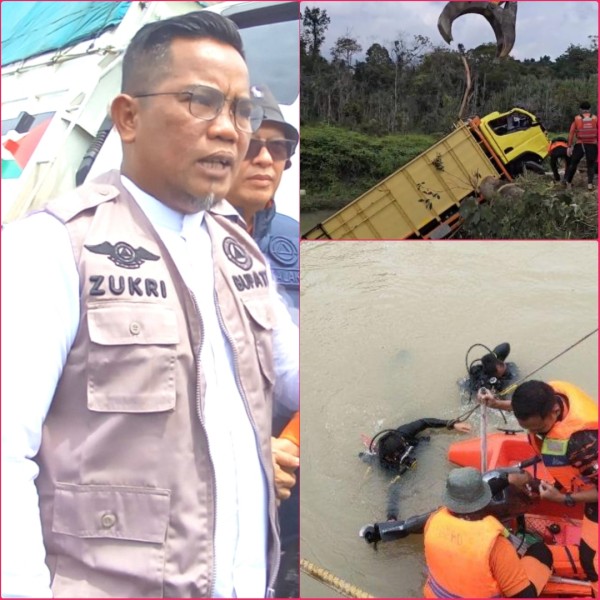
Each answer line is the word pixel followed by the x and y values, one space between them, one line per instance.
pixel 223 125
pixel 264 156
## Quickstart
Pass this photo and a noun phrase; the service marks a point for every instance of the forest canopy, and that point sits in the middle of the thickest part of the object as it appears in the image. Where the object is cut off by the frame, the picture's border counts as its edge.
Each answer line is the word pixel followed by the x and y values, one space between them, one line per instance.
pixel 411 85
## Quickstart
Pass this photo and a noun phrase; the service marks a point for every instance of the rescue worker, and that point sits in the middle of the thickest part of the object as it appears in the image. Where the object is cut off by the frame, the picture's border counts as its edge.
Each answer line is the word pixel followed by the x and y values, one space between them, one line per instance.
pixel 491 371
pixel 583 141
pixel 562 424
pixel 469 555
pixel 557 151
pixel 394 451
pixel 253 194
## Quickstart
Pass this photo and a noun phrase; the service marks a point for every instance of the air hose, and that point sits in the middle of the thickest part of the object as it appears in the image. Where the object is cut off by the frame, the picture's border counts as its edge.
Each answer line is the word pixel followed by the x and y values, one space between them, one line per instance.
pixel 512 387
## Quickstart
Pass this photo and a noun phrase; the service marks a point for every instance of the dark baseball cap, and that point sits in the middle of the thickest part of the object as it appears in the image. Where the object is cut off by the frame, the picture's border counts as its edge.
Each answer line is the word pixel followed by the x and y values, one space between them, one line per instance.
pixel 262 95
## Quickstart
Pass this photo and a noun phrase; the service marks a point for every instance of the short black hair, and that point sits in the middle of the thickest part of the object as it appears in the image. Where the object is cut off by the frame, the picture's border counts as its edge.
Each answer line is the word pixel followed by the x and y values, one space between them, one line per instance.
pixel 585 106
pixel 533 399
pixel 147 58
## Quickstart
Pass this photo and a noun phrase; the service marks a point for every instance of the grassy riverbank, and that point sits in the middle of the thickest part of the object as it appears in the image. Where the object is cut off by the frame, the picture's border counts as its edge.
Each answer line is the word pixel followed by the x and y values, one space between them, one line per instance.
pixel 338 164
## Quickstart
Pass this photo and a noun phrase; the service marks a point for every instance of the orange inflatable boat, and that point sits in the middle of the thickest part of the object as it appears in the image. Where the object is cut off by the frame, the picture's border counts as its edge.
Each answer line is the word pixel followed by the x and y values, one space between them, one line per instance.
pixel 557 525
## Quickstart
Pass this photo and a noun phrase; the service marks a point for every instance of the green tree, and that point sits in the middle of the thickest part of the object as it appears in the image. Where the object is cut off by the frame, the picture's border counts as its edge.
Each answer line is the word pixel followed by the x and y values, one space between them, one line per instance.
pixel 315 22
pixel 344 50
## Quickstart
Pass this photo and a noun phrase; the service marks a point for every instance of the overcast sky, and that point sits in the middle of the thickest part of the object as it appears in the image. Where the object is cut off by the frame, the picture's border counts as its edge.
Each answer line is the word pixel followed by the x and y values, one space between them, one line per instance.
pixel 542 27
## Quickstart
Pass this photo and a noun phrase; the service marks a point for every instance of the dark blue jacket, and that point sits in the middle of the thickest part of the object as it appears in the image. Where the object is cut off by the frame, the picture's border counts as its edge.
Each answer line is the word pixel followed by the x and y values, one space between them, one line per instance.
pixel 277 236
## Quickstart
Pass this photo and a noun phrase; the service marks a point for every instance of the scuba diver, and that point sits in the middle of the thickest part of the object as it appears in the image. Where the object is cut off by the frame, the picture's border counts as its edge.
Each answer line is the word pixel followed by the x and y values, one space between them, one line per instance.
pixel 491 371
pixel 393 450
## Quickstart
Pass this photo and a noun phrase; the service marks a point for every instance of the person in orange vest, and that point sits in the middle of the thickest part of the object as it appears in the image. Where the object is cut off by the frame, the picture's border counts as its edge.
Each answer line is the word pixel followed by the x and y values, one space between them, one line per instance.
pixel 557 150
pixel 562 423
pixel 583 141
pixel 469 555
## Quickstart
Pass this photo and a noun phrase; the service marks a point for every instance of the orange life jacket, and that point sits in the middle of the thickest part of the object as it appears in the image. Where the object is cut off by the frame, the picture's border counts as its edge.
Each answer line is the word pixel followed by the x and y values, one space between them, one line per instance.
pixel 580 413
pixel 586 128
pixel 457 553
pixel 292 430
pixel 557 144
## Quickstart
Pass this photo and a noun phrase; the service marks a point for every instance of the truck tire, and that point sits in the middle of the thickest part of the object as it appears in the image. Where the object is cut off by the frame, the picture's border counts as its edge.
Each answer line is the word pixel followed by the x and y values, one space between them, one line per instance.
pixel 534 167
pixel 520 167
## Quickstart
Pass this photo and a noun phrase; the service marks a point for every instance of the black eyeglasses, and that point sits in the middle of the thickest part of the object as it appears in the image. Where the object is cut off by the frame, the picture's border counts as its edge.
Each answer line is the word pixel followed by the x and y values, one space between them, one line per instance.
pixel 279 149
pixel 207 102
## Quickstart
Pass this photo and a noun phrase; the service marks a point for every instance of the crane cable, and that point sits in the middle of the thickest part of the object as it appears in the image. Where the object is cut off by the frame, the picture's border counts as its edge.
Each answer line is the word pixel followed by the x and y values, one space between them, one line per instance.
pixel 333 581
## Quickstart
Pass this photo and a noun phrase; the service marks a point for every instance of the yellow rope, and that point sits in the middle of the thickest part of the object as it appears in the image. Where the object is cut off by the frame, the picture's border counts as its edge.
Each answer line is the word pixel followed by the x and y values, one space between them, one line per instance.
pixel 331 580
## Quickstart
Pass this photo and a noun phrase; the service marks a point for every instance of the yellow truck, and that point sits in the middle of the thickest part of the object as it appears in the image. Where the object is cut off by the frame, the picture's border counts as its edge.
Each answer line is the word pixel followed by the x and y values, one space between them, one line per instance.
pixel 421 199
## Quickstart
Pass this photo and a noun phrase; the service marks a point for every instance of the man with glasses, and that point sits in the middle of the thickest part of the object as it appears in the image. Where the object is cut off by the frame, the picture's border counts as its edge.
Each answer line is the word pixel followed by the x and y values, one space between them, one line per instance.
pixel 253 194
pixel 145 345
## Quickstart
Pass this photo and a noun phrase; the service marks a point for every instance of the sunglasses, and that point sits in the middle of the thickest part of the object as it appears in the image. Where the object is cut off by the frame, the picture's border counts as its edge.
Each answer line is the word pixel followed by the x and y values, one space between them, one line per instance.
pixel 279 149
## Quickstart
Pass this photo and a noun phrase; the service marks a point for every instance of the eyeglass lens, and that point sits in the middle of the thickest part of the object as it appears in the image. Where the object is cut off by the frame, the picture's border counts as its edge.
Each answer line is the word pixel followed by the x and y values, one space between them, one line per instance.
pixel 278 149
pixel 206 103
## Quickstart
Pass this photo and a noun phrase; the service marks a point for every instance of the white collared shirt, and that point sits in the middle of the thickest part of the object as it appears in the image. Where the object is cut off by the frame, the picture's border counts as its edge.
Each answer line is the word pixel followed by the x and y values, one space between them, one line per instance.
pixel 40 302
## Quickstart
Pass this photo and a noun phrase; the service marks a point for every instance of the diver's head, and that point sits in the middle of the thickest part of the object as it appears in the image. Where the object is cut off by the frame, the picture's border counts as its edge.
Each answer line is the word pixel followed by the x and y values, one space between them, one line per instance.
pixel 390 449
pixel 492 366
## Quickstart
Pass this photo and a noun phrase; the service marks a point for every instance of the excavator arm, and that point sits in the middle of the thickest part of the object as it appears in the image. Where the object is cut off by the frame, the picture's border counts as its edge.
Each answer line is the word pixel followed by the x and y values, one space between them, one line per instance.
pixel 502 16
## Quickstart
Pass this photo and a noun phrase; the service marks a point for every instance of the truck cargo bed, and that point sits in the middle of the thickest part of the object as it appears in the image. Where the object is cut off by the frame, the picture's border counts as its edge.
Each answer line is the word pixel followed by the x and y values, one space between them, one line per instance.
pixel 420 199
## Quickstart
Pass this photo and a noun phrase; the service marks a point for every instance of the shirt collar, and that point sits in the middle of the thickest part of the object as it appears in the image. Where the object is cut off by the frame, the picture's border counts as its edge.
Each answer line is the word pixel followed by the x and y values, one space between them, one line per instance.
pixel 160 215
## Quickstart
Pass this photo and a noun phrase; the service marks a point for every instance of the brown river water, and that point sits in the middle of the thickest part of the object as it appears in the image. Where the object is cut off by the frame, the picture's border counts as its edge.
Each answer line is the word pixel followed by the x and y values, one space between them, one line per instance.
pixel 384 331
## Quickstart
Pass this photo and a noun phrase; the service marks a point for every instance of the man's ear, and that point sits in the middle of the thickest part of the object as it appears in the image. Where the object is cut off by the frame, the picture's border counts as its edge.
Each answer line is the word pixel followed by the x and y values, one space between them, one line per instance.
pixel 124 112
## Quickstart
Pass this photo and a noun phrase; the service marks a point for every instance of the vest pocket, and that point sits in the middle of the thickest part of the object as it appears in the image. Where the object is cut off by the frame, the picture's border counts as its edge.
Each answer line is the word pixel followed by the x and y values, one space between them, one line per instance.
pixel 111 540
pixel 132 356
pixel 261 324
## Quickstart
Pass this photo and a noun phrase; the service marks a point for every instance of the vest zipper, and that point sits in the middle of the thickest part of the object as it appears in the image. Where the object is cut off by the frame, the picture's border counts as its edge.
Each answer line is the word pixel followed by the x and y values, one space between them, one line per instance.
pixel 202 423
pixel 272 576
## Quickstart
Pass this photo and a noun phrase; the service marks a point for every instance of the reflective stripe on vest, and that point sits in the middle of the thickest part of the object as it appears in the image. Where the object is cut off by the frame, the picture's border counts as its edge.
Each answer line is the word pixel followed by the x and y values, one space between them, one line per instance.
pixel 581 414
pixel 441 592
pixel 586 127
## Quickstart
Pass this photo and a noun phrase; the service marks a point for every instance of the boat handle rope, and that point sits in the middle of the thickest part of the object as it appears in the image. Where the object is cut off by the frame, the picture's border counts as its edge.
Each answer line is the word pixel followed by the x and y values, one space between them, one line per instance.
pixel 333 581
pixel 512 387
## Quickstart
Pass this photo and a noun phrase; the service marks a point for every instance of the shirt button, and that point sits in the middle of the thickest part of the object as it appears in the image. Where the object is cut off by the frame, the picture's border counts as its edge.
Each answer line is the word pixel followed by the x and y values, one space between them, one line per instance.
pixel 108 520
pixel 135 328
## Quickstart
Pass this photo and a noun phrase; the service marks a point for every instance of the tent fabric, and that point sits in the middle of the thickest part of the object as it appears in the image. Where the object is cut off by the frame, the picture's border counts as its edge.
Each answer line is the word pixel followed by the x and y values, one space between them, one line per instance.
pixel 33 28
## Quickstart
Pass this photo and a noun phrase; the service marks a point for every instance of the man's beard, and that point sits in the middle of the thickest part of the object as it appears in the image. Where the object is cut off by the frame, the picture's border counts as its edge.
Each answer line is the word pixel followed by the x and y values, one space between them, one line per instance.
pixel 204 202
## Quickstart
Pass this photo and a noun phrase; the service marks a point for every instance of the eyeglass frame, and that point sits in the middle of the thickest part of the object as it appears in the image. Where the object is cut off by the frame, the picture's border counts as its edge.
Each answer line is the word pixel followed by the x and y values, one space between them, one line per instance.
pixel 232 109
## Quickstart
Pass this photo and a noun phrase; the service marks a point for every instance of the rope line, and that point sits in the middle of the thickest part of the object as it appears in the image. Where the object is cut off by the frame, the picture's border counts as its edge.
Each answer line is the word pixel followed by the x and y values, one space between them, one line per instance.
pixel 512 387
pixel 333 581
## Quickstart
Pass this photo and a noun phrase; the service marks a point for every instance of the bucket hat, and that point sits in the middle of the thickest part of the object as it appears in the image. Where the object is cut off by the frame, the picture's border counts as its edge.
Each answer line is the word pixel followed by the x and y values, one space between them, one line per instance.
pixel 263 96
pixel 466 492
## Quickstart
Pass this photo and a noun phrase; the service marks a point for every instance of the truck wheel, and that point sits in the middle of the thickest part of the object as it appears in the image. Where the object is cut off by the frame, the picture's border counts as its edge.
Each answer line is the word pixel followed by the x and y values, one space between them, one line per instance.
pixel 520 167
pixel 534 167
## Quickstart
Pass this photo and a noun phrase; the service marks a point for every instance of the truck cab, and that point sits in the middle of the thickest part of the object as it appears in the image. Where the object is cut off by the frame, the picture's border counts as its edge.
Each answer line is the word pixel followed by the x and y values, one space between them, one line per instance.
pixel 517 138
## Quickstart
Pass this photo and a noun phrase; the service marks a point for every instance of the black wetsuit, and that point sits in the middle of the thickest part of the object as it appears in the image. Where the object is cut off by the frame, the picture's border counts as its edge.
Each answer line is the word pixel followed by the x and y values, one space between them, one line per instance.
pixel 479 379
pixel 410 430
pixel 410 434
